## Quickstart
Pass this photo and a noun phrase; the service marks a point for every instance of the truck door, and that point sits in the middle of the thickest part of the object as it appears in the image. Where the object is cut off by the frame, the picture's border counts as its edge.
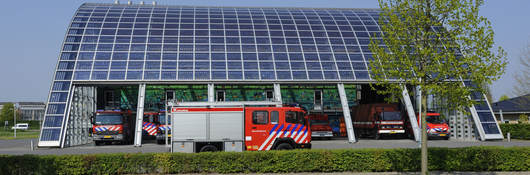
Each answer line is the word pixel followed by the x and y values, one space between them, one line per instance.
pixel 299 128
pixel 258 128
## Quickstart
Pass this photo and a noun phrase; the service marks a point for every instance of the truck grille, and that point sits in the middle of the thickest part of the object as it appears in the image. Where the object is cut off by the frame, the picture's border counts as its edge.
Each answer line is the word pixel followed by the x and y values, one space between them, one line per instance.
pixel 107 132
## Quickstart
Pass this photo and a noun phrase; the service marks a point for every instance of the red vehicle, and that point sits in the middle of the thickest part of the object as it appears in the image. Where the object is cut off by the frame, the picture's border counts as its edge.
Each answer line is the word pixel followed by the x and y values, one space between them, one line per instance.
pixel 377 119
pixel 150 125
pixel 112 126
pixel 161 131
pixel 225 127
pixel 437 127
pixel 320 126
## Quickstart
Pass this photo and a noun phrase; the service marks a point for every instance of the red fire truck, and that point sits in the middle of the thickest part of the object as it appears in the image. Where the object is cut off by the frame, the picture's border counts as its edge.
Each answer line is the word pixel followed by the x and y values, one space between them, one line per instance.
pixel 377 119
pixel 437 127
pixel 236 126
pixel 112 126
pixel 320 126
pixel 150 125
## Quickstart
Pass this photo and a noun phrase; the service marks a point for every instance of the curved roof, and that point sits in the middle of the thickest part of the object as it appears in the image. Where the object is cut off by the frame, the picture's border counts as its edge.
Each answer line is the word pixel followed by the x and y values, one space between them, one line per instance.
pixel 112 42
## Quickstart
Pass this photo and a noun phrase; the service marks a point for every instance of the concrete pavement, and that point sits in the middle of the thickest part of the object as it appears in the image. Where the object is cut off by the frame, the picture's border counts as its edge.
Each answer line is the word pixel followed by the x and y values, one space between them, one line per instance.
pixel 19 147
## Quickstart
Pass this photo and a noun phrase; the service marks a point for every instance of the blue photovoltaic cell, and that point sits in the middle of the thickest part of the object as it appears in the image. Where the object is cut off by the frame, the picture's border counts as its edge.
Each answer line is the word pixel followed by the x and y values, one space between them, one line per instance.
pixel 53 121
pixel 490 128
pixel 50 134
pixel 56 108
pixel 486 117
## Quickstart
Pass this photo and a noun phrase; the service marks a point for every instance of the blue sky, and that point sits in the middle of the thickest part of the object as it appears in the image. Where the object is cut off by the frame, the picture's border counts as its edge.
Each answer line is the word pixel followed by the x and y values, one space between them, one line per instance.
pixel 32 32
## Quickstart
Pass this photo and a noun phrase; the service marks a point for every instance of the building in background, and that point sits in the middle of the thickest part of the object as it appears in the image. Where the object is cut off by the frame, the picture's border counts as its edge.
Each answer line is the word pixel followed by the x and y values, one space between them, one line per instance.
pixel 508 111
pixel 29 110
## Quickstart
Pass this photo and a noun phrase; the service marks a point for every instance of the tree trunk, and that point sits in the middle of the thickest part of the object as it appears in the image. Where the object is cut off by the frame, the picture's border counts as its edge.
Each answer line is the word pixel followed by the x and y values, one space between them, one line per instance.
pixel 423 115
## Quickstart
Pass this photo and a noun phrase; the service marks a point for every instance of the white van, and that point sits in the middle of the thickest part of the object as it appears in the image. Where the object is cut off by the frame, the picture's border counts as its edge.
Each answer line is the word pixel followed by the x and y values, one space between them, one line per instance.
pixel 23 126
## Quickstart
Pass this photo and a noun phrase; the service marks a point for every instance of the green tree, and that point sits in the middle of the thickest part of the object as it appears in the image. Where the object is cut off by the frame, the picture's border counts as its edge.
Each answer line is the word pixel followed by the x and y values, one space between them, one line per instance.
pixel 504 97
pixel 433 44
pixel 7 113
pixel 523 118
pixel 522 78
pixel 488 93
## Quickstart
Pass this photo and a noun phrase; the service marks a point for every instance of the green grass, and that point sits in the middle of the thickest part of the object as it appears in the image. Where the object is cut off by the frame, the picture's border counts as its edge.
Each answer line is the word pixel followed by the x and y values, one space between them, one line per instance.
pixel 21 134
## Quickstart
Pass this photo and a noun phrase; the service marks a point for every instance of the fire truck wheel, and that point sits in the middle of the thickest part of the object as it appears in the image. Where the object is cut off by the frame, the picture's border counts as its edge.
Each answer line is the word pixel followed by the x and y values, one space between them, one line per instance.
pixel 284 146
pixel 160 142
pixel 208 148
pixel 377 136
pixel 98 143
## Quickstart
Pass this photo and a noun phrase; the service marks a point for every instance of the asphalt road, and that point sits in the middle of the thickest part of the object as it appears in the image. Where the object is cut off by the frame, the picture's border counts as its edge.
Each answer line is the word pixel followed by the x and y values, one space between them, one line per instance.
pixel 23 146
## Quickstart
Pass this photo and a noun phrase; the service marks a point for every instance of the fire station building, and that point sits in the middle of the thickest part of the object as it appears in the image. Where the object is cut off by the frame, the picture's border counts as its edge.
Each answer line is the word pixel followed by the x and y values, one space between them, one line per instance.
pixel 137 56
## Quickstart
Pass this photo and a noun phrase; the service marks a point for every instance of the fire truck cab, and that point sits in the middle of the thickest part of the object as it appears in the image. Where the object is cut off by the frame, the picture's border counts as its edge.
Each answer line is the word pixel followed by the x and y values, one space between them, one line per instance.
pixel 112 126
pixel 237 126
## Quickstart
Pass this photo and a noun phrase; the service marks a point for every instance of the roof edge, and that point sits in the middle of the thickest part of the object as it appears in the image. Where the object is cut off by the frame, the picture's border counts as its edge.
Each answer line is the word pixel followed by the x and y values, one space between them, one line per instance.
pixel 159 5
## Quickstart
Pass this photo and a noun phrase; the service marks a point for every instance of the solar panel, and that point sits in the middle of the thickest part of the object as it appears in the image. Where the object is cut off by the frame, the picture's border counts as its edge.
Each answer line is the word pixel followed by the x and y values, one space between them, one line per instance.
pixel 483 116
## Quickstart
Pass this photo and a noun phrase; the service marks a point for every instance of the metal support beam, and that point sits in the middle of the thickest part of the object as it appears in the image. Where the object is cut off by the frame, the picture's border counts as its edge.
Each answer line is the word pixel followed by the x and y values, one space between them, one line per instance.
pixel 411 114
pixel 66 116
pixel 211 92
pixel 139 115
pixel 278 94
pixel 346 113
pixel 417 95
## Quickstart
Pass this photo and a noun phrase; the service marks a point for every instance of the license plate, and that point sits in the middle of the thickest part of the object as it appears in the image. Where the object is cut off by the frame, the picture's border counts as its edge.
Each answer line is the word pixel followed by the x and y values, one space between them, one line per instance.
pixel 107 137
pixel 392 132
pixel 443 134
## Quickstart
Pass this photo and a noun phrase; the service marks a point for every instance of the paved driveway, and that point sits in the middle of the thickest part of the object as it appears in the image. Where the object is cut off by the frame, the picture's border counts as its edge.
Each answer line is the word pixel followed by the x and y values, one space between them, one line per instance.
pixel 23 146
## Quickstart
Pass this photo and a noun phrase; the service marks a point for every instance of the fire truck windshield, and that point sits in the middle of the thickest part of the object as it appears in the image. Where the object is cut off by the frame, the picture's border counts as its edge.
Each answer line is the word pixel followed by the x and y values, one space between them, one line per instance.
pixel 435 119
pixel 390 116
pixel 319 122
pixel 108 119
pixel 163 119
pixel 294 117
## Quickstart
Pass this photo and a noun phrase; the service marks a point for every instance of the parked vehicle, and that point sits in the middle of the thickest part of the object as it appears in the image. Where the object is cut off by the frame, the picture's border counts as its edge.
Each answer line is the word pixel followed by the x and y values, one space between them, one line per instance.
pixel 112 126
pixel 437 127
pixel 150 125
pixel 377 119
pixel 320 127
pixel 234 126
pixel 162 128
pixel 21 126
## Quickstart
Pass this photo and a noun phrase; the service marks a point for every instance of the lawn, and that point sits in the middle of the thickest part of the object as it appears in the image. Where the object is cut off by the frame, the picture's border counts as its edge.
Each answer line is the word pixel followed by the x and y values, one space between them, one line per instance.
pixel 21 134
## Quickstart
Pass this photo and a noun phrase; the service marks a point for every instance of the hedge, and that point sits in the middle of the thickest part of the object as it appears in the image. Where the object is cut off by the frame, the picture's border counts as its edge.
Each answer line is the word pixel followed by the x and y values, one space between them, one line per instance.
pixel 517 131
pixel 351 160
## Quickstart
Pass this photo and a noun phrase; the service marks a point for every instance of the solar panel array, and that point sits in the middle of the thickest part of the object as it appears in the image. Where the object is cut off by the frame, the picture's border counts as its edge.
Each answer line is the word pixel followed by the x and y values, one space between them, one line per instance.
pixel 161 43
pixel 109 42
